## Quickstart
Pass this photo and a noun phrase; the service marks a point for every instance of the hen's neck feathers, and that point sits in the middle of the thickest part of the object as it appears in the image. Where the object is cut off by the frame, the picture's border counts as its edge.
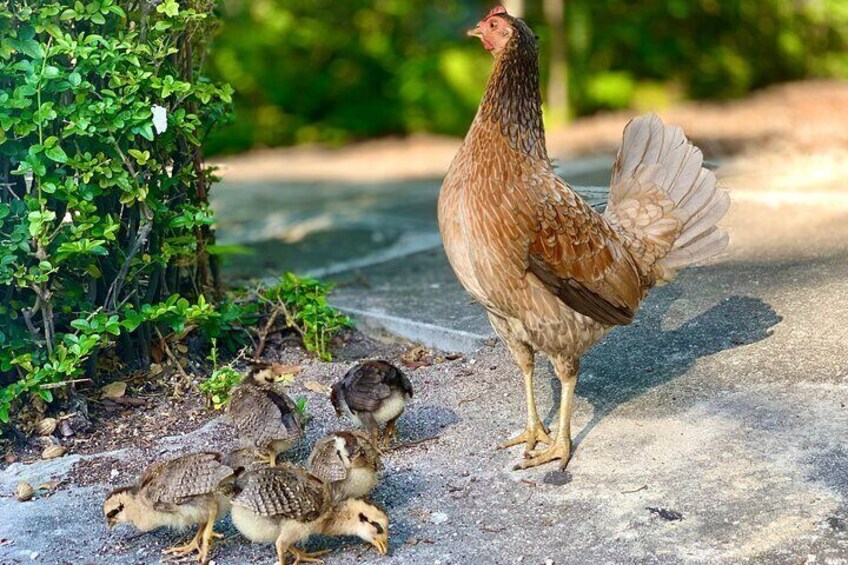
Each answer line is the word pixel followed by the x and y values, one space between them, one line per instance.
pixel 512 101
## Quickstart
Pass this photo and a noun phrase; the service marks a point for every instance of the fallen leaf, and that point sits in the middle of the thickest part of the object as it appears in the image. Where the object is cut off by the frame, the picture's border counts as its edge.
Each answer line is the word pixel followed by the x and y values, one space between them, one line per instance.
pixel 53 451
pixel 157 353
pixel 49 486
pixel 415 357
pixel 278 369
pixel 113 390
pixel 23 492
pixel 315 386
pixel 182 348
pixel 46 426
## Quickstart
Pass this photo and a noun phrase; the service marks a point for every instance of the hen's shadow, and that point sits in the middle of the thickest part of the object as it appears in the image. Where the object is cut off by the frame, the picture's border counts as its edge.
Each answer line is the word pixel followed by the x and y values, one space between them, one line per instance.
pixel 634 359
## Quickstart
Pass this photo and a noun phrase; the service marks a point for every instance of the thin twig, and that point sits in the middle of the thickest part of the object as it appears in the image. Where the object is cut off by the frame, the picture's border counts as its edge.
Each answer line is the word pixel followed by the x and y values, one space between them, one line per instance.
pixel 263 334
pixel 414 443
pixel 63 383
pixel 643 487
pixel 118 283
pixel 170 354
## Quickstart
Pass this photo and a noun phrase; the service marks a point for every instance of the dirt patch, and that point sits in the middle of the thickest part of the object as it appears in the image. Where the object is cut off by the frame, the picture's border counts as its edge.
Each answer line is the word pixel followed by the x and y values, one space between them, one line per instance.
pixel 150 410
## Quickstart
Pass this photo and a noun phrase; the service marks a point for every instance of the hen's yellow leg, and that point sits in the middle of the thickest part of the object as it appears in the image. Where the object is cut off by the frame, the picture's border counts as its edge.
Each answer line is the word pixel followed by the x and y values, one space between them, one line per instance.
pixel 534 431
pixel 561 447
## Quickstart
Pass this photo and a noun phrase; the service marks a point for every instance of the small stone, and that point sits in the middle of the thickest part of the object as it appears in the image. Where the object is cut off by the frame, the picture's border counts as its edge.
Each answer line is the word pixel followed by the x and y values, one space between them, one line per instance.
pixel 549 562
pixel 34 555
pixel 438 518
pixel 114 473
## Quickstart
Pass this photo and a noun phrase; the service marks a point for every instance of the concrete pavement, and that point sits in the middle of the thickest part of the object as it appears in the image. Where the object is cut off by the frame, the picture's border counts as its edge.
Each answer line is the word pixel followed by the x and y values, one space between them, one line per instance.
pixel 713 429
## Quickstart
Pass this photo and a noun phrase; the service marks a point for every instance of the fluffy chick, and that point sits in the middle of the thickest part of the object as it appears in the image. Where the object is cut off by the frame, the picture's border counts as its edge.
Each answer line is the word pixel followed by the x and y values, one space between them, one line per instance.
pixel 286 505
pixel 348 462
pixel 264 416
pixel 371 394
pixel 178 493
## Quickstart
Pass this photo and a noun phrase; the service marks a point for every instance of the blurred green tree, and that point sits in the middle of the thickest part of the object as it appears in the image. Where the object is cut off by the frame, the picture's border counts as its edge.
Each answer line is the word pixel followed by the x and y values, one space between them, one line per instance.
pixel 324 71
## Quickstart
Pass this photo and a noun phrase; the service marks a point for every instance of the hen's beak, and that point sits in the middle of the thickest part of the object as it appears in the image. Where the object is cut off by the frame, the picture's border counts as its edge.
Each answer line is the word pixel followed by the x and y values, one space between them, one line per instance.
pixel 381 544
pixel 475 32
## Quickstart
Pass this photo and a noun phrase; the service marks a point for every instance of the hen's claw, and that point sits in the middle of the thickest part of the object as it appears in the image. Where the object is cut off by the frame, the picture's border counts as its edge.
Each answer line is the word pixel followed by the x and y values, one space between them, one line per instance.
pixel 559 450
pixel 529 437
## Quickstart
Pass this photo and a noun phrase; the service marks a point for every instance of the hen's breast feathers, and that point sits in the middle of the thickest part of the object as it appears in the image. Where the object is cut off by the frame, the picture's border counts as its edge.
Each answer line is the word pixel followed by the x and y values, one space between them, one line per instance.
pixel 506 218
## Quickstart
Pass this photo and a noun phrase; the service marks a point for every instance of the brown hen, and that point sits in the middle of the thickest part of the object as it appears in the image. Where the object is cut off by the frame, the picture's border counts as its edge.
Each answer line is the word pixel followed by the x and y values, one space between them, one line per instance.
pixel 554 275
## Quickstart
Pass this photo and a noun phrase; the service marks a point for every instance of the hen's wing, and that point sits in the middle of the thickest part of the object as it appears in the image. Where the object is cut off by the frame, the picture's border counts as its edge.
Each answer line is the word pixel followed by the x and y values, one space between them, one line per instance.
pixel 284 492
pixel 170 483
pixel 366 387
pixel 578 257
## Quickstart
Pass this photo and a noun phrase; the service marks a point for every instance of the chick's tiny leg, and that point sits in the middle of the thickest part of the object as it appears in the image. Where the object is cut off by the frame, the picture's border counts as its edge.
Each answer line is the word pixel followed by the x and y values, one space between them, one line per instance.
pixel 534 431
pixel 267 457
pixel 304 557
pixel 391 431
pixel 373 428
pixel 209 534
pixel 566 370
pixel 282 547
pixel 190 547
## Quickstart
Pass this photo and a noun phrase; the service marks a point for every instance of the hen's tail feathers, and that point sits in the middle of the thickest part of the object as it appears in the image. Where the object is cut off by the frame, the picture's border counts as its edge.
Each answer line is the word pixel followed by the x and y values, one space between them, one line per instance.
pixel 663 203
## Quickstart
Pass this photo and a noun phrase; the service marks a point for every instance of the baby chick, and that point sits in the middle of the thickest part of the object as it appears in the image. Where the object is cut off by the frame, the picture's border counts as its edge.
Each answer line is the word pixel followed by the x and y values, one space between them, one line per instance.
pixel 348 462
pixel 286 505
pixel 371 394
pixel 264 416
pixel 177 493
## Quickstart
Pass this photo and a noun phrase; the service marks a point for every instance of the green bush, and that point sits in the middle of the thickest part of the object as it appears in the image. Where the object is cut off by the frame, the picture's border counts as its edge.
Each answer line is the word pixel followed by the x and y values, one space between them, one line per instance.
pixel 303 302
pixel 103 213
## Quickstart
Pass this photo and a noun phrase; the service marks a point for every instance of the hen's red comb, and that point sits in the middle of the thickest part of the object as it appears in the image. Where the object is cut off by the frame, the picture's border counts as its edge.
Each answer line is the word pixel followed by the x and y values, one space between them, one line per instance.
pixel 497 10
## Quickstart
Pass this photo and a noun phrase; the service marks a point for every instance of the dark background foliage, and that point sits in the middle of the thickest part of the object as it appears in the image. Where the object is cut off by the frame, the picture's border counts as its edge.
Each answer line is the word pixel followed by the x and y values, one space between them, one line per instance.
pixel 318 70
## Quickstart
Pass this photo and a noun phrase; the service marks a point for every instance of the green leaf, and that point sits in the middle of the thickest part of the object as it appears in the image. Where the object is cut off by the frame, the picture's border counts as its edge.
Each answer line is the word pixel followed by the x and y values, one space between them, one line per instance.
pixel 56 154
pixel 146 131
pixel 169 8
pixel 75 78
pixel 29 47
pixel 98 18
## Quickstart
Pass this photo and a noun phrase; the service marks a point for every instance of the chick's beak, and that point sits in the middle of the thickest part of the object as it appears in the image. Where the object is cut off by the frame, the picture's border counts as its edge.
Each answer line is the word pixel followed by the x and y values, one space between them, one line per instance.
pixel 475 32
pixel 381 544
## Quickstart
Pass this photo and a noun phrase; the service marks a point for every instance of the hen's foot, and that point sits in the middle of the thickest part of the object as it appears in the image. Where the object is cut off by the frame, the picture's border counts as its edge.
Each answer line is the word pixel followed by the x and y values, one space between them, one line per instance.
pixel 559 450
pixel 529 437
pixel 304 557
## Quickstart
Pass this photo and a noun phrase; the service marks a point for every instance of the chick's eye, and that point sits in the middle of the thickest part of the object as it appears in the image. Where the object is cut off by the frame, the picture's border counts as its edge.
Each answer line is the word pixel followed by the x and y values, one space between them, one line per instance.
pixel 493 25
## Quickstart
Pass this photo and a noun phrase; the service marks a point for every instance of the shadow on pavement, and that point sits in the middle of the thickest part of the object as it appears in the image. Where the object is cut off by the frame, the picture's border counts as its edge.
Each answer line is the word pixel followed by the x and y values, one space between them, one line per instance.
pixel 640 357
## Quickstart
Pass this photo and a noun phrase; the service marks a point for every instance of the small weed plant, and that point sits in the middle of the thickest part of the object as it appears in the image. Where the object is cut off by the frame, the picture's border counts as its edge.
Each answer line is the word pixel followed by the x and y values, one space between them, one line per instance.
pixel 220 382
